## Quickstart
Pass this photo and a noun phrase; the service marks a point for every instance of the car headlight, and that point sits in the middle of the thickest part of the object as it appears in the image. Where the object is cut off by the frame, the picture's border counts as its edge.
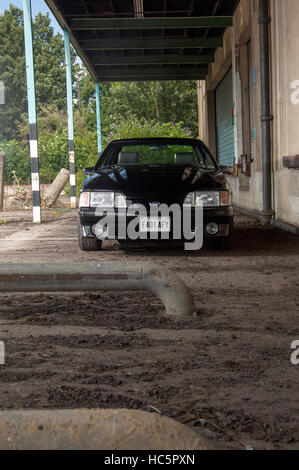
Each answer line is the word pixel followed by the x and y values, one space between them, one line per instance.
pixel 104 199
pixel 84 199
pixel 208 199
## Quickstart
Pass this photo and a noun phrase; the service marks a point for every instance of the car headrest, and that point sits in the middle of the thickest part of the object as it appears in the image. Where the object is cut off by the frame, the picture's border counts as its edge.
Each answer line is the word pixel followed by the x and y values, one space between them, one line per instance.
pixel 128 157
pixel 184 158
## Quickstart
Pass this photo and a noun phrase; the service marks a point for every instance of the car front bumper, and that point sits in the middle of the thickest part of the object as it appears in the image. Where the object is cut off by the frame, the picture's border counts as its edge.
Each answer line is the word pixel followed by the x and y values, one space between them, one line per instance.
pixel 222 216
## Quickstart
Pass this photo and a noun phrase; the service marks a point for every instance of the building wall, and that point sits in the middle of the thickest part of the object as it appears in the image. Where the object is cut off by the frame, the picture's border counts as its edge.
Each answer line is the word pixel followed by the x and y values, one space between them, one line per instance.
pixel 285 97
pixel 284 44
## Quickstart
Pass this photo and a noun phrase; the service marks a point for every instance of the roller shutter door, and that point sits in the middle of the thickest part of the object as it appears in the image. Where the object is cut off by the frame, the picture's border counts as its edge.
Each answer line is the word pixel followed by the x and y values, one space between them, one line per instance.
pixel 225 122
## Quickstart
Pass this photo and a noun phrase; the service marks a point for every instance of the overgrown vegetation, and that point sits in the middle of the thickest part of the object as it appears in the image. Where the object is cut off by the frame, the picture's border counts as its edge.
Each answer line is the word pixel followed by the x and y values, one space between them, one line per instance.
pixel 142 109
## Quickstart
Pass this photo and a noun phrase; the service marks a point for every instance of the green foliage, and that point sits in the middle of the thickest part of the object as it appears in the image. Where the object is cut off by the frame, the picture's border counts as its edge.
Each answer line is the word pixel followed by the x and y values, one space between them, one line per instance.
pixel 164 154
pixel 53 154
pixel 135 109
pixel 53 144
pixel 167 101
pixel 132 127
pixel 16 159
pixel 49 68
pixel 53 149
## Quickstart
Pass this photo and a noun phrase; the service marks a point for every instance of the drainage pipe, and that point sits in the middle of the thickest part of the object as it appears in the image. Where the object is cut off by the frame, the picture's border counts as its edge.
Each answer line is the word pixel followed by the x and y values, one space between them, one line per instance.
pixel 108 276
pixel 266 116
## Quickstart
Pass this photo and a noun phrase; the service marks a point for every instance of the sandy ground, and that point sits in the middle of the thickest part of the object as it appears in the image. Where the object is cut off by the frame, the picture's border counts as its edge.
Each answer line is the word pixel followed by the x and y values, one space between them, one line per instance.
pixel 227 368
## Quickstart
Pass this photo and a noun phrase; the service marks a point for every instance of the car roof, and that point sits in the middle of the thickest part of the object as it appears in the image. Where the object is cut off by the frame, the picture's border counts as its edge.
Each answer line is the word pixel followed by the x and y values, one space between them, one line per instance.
pixel 178 140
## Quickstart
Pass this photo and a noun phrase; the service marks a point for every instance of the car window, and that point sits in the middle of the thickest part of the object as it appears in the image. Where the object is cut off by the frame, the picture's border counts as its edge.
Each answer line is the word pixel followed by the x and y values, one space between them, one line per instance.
pixel 205 158
pixel 157 154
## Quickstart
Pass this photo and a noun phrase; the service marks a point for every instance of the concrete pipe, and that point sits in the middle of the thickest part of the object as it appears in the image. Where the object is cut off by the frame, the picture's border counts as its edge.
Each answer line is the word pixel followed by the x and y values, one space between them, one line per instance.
pixel 94 430
pixel 54 191
pixel 107 276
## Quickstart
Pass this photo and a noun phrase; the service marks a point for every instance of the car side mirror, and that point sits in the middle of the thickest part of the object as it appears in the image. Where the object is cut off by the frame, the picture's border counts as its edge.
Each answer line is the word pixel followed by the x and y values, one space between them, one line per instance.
pixel 89 171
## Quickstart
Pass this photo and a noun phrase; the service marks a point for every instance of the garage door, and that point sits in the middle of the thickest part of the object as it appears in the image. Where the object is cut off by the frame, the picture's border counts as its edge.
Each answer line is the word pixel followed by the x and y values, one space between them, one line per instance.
pixel 225 121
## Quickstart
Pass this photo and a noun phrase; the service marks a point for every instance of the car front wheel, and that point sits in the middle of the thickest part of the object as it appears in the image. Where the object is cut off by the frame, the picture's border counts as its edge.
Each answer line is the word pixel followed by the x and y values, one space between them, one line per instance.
pixel 87 243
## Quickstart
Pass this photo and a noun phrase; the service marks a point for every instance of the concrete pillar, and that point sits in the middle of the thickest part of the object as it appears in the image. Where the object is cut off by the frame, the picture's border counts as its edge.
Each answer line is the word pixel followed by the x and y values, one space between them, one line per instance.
pixel 69 87
pixel 35 179
pixel 99 127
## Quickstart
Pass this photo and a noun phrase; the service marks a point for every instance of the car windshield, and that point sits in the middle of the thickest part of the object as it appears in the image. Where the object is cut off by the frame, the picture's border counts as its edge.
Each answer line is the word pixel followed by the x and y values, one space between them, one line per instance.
pixel 162 154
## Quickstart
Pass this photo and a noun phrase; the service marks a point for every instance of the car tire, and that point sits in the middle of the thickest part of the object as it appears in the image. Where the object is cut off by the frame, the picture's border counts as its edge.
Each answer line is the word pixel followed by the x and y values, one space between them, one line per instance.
pixel 88 244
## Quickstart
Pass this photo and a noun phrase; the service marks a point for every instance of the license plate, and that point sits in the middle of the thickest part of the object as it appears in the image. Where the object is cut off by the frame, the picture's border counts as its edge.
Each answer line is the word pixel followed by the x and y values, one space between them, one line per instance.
pixel 154 224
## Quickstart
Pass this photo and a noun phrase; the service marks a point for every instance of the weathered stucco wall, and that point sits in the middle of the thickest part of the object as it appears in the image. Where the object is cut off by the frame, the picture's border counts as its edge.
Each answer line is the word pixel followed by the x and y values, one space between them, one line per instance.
pixel 284 45
pixel 285 97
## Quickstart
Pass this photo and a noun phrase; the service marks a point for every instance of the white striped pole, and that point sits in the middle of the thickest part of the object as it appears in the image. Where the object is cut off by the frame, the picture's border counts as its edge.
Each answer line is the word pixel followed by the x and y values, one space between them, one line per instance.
pixel 35 180
pixel 98 109
pixel 69 88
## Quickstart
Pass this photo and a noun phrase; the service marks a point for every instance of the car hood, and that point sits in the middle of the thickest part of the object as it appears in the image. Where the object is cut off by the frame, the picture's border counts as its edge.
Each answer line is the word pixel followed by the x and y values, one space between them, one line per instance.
pixel 164 184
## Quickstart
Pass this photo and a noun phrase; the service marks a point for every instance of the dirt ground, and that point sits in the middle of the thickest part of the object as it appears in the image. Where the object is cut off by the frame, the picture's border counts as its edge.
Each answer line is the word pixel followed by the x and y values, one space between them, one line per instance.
pixel 226 372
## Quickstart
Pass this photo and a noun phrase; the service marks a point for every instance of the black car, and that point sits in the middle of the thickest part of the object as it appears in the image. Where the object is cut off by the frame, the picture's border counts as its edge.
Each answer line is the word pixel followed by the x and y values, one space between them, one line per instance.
pixel 151 174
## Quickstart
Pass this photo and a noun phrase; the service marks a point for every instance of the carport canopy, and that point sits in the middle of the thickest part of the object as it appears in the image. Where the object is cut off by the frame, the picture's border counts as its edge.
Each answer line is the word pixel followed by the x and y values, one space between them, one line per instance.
pixel 137 40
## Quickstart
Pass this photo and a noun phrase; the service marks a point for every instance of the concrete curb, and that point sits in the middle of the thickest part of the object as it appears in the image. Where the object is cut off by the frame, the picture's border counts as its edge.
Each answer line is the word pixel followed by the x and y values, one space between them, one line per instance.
pixel 94 430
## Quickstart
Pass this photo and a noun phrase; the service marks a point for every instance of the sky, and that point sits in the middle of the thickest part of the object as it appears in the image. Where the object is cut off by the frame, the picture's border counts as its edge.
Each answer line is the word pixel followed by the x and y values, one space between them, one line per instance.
pixel 37 6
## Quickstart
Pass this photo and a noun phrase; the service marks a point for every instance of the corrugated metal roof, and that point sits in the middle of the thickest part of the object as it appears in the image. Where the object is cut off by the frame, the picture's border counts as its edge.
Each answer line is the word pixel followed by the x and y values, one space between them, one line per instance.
pixel 145 39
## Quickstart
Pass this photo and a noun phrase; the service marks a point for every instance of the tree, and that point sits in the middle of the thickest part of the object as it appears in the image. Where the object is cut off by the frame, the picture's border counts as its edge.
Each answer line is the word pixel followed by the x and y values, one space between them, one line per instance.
pixel 49 68
pixel 165 101
pixel 53 147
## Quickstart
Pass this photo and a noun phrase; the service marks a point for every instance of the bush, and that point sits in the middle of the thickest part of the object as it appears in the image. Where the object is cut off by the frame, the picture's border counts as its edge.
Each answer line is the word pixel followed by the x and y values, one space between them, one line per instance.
pixel 134 128
pixel 53 147
pixel 18 160
pixel 53 155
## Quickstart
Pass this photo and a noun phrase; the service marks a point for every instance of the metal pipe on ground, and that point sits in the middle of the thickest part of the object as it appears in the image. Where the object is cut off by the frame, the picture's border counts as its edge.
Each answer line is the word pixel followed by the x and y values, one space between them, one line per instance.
pixel 54 191
pixel 94 430
pixel 2 172
pixel 107 276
